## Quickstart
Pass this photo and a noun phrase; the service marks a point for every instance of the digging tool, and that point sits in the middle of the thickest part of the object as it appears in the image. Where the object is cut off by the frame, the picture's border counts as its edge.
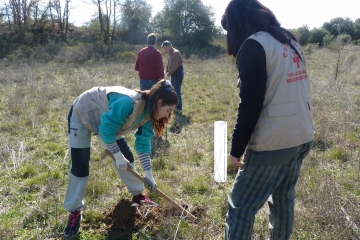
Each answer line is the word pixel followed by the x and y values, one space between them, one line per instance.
pixel 173 203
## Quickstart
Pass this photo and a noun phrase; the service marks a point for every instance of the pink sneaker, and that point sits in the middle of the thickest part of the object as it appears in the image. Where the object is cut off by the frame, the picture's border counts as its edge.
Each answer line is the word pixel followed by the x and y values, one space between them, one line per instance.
pixel 73 225
pixel 142 199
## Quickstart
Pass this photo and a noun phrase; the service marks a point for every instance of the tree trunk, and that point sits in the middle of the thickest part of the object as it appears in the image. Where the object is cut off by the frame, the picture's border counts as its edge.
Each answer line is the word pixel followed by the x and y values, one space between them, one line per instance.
pixel 100 18
pixel 114 24
pixel 66 16
pixel 51 15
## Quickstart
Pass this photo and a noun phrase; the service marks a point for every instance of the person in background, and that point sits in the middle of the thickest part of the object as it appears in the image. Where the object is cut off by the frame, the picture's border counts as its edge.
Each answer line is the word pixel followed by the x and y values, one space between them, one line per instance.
pixel 110 113
pixel 175 70
pixel 274 124
pixel 149 64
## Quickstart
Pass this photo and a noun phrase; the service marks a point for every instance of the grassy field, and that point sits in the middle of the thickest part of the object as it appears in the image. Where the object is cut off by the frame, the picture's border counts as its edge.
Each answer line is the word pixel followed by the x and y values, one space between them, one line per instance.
pixel 34 102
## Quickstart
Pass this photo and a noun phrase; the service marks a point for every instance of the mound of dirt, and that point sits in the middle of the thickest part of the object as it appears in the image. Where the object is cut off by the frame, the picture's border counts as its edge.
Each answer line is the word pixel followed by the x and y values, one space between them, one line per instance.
pixel 122 219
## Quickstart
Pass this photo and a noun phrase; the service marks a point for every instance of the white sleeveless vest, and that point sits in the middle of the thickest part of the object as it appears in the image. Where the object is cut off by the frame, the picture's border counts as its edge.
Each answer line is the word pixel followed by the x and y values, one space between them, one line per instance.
pixel 91 104
pixel 286 119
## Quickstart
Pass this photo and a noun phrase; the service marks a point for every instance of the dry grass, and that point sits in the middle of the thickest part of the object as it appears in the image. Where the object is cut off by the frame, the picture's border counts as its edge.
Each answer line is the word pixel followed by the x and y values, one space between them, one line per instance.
pixel 34 102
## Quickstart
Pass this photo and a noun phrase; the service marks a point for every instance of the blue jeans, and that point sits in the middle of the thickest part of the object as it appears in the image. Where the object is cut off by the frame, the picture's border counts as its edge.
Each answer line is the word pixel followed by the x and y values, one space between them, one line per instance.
pixel 267 176
pixel 176 81
pixel 147 84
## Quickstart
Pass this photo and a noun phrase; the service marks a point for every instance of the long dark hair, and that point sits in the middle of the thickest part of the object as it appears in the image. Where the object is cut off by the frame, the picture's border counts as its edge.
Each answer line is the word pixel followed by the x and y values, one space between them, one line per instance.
pixel 164 91
pixel 242 18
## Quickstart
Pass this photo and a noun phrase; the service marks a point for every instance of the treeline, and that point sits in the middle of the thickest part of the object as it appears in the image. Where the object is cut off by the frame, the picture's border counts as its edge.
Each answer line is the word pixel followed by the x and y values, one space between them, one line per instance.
pixel 344 28
pixel 34 24
pixel 43 29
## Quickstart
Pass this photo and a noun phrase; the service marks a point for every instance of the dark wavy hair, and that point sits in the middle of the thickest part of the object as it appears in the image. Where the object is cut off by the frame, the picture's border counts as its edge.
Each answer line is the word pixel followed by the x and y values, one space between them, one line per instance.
pixel 242 18
pixel 164 91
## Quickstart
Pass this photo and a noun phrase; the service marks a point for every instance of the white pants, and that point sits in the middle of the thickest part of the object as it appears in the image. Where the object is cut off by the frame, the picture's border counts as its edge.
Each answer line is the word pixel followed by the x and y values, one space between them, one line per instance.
pixel 79 149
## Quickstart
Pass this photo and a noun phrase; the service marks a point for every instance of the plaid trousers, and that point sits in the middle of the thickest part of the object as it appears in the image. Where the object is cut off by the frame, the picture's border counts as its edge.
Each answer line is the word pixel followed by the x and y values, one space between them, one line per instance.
pixel 267 176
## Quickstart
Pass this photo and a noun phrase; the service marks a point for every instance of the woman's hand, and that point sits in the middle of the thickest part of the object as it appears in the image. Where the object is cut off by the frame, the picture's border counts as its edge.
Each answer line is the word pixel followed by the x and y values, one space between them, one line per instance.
pixel 120 161
pixel 150 181
pixel 236 162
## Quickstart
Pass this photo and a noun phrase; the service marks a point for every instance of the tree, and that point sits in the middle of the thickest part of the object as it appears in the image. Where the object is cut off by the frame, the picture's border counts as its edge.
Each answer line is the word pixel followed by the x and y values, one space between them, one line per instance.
pixel 338 26
pixel 22 10
pixel 135 21
pixel 328 39
pixel 357 29
pixel 107 15
pixel 317 36
pixel 339 45
pixel 5 12
pixel 61 18
pixel 159 23
pixel 26 20
pixel 302 34
pixel 189 22
pixel 1 17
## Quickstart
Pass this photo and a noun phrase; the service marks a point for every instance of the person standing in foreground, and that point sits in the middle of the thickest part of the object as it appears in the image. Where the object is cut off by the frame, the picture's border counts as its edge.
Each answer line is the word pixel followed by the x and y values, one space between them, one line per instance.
pixel 174 69
pixel 110 113
pixel 149 64
pixel 274 122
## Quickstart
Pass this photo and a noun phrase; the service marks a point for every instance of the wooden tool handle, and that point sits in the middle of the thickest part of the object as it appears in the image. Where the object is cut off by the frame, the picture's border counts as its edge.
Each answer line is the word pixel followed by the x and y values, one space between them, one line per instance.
pixel 173 203
pixel 177 206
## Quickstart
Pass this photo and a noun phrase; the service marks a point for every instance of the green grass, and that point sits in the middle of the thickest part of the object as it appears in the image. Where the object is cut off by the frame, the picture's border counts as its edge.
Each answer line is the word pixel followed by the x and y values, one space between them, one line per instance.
pixel 338 154
pixel 34 160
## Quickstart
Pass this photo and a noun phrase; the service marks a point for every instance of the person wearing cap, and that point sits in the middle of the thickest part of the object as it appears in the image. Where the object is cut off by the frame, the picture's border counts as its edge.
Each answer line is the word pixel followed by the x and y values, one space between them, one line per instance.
pixel 175 70
pixel 149 64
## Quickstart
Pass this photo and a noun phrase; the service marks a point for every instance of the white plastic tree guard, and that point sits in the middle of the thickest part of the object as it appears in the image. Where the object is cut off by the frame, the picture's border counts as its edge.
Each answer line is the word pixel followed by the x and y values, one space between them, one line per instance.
pixel 220 151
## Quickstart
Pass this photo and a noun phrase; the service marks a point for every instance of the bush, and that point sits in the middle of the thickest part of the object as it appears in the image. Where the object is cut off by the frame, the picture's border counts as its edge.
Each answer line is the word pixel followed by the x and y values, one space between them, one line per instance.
pixel 310 48
pixel 52 48
pixel 44 57
pixel 127 57
pixel 6 46
pixel 328 39
pixel 212 51
pixel 21 53
pixel 344 38
pixel 79 54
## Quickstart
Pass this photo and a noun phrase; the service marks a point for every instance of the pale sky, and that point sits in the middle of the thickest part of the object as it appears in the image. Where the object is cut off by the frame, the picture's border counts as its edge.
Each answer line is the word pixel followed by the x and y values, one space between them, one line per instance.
pixel 291 14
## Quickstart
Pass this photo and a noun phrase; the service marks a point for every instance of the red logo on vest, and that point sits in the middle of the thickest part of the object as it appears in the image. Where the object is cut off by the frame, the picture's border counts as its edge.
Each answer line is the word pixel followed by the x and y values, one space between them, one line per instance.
pixel 296 60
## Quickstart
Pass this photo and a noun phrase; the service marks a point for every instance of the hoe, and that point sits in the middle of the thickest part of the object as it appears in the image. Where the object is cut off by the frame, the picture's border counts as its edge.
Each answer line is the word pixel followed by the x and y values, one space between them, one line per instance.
pixel 162 194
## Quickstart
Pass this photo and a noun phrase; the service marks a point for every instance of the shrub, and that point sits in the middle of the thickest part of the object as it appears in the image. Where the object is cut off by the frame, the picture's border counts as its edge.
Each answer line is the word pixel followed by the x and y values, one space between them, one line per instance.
pixel 212 51
pixel 344 38
pixel 127 57
pixel 310 48
pixel 328 39
pixel 26 51
pixel 6 46
pixel 77 54
pixel 52 48
pixel 44 57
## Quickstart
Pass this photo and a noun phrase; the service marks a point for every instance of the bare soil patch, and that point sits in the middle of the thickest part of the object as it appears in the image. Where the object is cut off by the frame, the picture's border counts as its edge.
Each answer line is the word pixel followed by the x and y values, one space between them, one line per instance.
pixel 122 220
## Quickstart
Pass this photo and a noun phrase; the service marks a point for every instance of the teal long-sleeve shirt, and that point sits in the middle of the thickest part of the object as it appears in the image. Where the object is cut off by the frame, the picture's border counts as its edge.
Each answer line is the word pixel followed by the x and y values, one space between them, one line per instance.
pixel 121 106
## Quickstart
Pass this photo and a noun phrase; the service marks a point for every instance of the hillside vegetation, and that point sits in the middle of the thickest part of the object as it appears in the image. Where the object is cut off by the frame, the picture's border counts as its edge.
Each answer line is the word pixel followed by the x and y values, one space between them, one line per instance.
pixel 35 98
